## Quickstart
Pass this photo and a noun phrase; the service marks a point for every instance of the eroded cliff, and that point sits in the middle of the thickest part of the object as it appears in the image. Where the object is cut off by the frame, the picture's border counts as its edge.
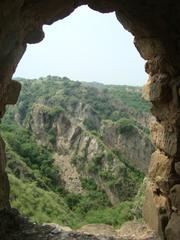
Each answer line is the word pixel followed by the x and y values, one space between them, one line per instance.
pixel 93 136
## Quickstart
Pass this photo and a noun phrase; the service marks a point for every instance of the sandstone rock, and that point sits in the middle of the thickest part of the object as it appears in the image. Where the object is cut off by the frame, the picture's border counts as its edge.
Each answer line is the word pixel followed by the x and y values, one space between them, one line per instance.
pixel 165 137
pixel 151 67
pixel 160 165
pixel 136 230
pixel 157 88
pixel 175 196
pixel 177 168
pixel 159 65
pixel 4 183
pixel 160 169
pixel 149 47
pixel 173 229
pixel 155 210
pixel 173 180
pixel 98 229
pixel 13 92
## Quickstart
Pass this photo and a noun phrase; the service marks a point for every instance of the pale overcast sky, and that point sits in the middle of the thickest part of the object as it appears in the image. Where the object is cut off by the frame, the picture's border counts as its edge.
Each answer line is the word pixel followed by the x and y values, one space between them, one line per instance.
pixel 85 46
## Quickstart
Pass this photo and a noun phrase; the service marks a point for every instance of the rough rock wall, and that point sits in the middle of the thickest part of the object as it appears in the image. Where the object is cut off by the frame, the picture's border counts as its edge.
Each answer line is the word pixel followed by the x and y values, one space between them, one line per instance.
pixel 159 45
pixel 80 156
pixel 162 205
pixel 133 143
pixel 155 25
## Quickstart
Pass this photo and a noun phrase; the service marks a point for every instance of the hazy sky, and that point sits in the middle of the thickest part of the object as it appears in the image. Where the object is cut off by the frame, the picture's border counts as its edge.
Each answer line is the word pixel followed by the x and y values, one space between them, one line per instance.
pixel 85 46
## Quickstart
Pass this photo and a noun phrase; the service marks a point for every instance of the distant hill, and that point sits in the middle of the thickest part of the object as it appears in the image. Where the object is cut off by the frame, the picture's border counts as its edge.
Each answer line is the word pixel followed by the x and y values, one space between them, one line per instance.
pixel 77 146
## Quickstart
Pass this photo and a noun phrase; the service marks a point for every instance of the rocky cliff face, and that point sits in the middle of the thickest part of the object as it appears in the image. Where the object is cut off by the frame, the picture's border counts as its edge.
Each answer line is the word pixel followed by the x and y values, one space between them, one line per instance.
pixel 131 140
pixel 87 146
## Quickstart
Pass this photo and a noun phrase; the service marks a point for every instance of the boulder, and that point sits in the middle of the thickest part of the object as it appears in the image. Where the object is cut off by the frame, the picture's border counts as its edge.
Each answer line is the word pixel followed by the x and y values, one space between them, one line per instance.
pixel 177 168
pixel 157 88
pixel 175 196
pixel 173 228
pixel 165 137
pixel 160 169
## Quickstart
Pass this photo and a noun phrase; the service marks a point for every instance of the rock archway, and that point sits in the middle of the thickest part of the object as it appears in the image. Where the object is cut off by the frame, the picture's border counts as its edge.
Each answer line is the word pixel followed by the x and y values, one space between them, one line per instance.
pixel 155 26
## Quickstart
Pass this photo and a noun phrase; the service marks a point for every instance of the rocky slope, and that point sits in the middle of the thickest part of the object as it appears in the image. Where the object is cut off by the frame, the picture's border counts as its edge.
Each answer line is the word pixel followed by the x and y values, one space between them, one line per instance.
pixel 85 144
pixel 96 138
pixel 17 228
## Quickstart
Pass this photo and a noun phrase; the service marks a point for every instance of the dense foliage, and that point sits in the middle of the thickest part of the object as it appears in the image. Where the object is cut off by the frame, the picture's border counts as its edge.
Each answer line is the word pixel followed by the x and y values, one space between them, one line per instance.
pixel 63 94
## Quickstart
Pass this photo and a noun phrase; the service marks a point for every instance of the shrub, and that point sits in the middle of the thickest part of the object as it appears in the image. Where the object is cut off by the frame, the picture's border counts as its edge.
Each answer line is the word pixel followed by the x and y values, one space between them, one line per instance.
pixel 126 126
pixel 52 136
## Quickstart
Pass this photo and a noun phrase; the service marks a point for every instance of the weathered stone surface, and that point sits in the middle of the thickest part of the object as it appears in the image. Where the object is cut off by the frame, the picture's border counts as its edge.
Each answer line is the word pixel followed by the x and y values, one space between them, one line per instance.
pixel 15 227
pixel 139 231
pixel 155 25
pixel 165 137
pixel 173 229
pixel 173 180
pixel 13 92
pixel 157 88
pixel 35 35
pixel 4 191
pixel 149 47
pixel 160 165
pixel 98 229
pixel 177 168
pixel 155 209
pixel 103 5
pixel 175 197
pixel 166 112
pixel 138 157
pixel 159 65
pixel 160 169
pixel 4 185
pixel 57 227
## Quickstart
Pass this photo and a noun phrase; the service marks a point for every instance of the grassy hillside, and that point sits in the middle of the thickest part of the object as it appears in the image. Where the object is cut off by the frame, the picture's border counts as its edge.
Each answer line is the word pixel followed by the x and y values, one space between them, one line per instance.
pixel 37 187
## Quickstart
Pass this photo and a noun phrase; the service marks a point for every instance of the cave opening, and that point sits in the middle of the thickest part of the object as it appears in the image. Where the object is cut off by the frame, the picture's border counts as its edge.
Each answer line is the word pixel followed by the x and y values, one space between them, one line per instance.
pixel 149 25
pixel 97 52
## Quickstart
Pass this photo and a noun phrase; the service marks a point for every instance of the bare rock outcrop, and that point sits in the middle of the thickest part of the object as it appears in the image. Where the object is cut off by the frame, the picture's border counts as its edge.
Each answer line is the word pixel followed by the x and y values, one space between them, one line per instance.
pixel 132 142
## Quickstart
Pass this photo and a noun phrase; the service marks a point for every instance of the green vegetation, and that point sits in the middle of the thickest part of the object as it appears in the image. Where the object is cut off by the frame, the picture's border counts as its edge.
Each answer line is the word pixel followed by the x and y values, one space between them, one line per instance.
pixel 40 205
pixel 126 126
pixel 63 94
pixel 22 147
pixel 37 192
pixel 52 135
pixel 131 96
pixel 114 216
pixel 89 125
pixel 36 186
pixel 73 210
pixel 95 165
